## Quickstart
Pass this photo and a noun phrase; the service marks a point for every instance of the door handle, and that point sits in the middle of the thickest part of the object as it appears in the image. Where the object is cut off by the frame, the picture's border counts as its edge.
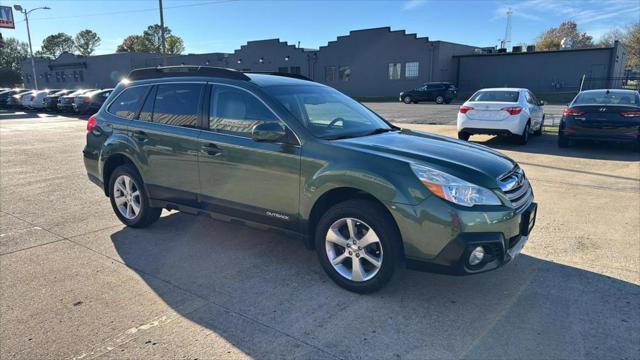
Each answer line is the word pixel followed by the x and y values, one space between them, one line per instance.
pixel 140 135
pixel 211 149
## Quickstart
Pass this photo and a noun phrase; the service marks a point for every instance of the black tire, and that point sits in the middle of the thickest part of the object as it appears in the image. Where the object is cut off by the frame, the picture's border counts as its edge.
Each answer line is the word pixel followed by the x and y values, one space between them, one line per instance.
pixel 376 217
pixel 463 135
pixel 538 132
pixel 524 138
pixel 440 99
pixel 147 215
pixel 407 100
pixel 562 141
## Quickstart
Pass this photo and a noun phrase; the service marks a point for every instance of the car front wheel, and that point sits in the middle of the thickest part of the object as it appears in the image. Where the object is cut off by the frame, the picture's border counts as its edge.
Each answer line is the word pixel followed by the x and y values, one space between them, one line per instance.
pixel 407 100
pixel 356 243
pixel 129 198
pixel 439 99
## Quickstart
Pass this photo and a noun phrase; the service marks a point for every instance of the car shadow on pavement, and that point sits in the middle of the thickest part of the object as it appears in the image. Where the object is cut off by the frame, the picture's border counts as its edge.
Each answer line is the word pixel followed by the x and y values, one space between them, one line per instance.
pixel 547 144
pixel 532 308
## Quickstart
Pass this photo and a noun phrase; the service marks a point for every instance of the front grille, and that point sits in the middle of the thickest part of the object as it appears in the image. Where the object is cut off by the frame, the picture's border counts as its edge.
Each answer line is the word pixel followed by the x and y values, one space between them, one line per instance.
pixel 517 189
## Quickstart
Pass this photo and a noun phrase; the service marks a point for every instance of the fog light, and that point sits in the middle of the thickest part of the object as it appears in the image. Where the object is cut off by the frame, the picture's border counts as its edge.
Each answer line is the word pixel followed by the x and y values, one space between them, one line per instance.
pixel 476 256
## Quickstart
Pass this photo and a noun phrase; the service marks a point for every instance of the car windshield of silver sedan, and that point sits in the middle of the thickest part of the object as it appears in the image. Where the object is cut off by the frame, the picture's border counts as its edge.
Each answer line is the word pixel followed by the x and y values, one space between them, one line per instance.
pixel 327 113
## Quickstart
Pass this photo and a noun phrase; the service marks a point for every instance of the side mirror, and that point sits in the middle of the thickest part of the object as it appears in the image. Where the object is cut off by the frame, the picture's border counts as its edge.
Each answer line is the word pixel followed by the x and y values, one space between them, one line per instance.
pixel 541 103
pixel 268 132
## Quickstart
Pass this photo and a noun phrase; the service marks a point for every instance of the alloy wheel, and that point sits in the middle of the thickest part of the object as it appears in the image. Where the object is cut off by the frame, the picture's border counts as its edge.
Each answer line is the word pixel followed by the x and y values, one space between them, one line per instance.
pixel 127 197
pixel 353 249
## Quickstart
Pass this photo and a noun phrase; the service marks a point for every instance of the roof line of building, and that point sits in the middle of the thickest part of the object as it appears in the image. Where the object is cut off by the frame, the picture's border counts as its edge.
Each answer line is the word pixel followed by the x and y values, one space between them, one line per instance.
pixel 534 52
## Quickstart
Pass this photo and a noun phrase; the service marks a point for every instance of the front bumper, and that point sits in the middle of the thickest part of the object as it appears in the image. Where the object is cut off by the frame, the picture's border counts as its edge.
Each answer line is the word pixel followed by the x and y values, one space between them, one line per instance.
pixel 65 107
pixel 439 237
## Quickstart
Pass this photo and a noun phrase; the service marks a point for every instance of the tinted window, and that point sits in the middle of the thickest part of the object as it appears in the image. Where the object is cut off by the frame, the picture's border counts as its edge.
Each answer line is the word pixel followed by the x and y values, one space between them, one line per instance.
pixel 236 112
pixel 147 109
pixel 128 102
pixel 177 104
pixel 496 96
pixel 607 97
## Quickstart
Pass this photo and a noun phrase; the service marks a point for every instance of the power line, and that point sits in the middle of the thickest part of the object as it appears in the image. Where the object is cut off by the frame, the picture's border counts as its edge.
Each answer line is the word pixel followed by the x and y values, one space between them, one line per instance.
pixel 131 11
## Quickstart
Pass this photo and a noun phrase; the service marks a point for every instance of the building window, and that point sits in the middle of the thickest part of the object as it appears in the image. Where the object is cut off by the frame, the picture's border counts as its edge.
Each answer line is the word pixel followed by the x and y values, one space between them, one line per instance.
pixel 411 70
pixel 395 69
pixel 344 73
pixel 330 73
pixel 283 69
pixel 295 70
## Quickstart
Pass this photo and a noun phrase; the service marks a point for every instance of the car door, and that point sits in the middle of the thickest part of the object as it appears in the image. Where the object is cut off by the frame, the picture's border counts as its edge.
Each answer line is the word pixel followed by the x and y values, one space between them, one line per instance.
pixel 240 177
pixel 534 108
pixel 166 132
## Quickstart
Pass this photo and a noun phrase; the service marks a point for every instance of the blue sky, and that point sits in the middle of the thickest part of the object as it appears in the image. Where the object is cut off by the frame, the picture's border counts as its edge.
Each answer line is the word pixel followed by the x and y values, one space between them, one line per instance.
pixel 224 25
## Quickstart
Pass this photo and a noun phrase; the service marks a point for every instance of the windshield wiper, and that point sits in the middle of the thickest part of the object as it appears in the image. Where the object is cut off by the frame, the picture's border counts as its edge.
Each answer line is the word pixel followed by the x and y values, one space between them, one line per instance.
pixel 380 131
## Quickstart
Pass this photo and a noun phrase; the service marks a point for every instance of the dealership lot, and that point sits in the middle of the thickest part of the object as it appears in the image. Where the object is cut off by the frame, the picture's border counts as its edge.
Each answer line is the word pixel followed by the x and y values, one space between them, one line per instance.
pixel 76 283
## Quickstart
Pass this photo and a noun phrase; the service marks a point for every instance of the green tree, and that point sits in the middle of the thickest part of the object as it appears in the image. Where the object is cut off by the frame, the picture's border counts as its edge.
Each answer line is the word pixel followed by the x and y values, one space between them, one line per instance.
pixel 151 41
pixel 632 43
pixel 552 38
pixel 628 36
pixel 175 45
pixel 86 42
pixel 56 44
pixel 133 43
pixel 153 37
pixel 11 57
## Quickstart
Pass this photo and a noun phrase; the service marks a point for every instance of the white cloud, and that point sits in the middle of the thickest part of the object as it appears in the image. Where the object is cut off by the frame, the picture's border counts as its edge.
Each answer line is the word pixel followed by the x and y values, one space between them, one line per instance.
pixel 412 4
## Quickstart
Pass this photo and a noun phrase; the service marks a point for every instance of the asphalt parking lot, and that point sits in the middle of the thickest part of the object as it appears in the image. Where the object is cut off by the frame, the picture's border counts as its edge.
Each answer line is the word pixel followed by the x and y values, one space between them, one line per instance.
pixel 76 283
pixel 445 114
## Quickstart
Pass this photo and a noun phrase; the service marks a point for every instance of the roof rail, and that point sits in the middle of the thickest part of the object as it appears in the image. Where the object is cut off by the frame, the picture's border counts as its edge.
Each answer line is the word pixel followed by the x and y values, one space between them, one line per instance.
pixel 283 74
pixel 185 70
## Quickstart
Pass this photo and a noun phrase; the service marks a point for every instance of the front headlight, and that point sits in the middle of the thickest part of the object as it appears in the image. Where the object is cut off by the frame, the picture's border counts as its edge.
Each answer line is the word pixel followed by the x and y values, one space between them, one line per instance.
pixel 452 189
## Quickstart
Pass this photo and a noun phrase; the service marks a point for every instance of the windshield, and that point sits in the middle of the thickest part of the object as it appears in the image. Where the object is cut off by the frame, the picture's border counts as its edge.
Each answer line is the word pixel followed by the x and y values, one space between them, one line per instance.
pixel 607 97
pixel 496 96
pixel 326 112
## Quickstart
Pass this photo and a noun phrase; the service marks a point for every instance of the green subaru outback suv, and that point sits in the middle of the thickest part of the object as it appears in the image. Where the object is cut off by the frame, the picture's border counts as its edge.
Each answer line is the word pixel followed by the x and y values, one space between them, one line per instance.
pixel 282 151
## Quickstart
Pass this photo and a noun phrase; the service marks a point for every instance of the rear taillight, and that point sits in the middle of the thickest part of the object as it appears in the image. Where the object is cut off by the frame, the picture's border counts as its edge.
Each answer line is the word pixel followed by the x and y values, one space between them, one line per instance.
pixel 464 109
pixel 512 110
pixel 92 123
pixel 630 113
pixel 572 112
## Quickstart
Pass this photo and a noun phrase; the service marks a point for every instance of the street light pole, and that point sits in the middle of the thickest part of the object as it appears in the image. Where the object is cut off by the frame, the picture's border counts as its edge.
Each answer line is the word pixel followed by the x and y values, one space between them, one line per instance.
pixel 26 20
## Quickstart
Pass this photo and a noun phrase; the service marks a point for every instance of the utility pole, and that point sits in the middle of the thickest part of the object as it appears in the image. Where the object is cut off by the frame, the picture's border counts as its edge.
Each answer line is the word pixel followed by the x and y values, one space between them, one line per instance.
pixel 26 20
pixel 164 49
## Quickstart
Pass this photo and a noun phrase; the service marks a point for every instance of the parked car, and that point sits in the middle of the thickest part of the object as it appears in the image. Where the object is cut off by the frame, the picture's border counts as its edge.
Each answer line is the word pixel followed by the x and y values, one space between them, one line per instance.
pixel 440 92
pixel 501 111
pixel 91 102
pixel 302 157
pixel 15 101
pixel 6 97
pixel 37 98
pixel 65 102
pixel 51 101
pixel 602 115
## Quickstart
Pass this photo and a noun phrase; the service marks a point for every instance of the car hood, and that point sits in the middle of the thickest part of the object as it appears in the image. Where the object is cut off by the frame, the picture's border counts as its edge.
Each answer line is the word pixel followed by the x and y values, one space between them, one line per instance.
pixel 475 163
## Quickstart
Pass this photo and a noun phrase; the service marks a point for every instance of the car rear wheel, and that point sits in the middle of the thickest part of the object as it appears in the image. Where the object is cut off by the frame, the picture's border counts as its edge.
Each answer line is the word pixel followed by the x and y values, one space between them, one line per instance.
pixel 538 132
pixel 463 135
pixel 562 141
pixel 524 138
pixel 439 99
pixel 357 244
pixel 129 199
pixel 407 100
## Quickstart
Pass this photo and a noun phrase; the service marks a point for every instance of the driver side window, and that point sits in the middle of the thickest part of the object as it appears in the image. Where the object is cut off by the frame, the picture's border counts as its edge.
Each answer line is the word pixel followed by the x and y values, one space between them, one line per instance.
pixel 236 112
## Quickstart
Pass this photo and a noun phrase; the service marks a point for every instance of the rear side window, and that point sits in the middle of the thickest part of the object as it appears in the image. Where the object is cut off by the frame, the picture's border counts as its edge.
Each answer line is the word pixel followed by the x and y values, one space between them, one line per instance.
pixel 128 102
pixel 177 104
pixel 496 96
pixel 236 112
